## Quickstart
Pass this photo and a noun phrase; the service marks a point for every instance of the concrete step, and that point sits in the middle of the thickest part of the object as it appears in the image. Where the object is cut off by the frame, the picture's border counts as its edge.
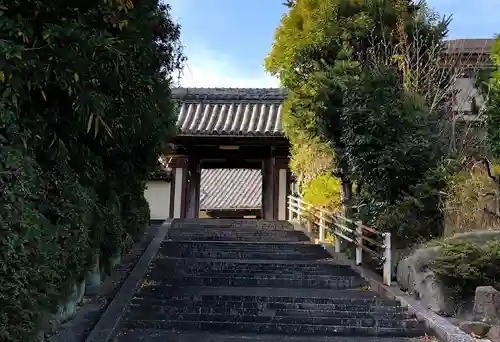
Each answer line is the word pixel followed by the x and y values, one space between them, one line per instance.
pixel 151 335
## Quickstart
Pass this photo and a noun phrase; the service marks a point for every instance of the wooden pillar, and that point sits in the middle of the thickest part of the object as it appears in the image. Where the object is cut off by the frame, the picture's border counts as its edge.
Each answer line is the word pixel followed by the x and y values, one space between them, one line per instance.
pixel 268 185
pixel 193 194
pixel 178 187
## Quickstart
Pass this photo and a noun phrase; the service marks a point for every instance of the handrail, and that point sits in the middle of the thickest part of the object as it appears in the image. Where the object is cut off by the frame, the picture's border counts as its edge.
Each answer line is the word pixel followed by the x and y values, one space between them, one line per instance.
pixel 338 225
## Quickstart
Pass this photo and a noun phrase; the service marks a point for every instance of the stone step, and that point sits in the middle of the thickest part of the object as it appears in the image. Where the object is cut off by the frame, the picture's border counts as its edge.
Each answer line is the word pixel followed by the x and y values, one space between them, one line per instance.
pixel 205 309
pixel 270 247
pixel 382 321
pixel 248 255
pixel 261 238
pixel 228 236
pixel 279 308
pixel 404 328
pixel 228 250
pixel 255 280
pixel 162 266
pixel 314 282
pixel 236 235
pixel 242 230
pixel 242 273
pixel 237 223
pixel 266 295
pixel 151 335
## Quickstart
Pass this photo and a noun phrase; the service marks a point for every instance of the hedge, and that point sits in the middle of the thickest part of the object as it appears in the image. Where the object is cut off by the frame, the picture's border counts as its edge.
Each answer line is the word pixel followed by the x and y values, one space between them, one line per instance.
pixel 85 110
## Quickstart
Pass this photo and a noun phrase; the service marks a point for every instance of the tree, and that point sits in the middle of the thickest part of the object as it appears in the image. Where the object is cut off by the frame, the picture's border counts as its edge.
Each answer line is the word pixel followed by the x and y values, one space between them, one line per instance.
pixel 493 104
pixel 342 90
pixel 85 112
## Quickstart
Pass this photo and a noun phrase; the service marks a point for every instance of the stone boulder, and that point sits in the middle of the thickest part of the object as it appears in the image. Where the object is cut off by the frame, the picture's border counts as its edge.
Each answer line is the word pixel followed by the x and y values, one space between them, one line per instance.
pixel 476 329
pixel 414 275
pixel 486 304
pixel 494 333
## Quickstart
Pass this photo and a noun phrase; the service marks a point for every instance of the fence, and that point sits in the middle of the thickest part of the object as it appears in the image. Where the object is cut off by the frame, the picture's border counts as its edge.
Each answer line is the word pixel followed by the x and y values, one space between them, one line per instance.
pixel 364 238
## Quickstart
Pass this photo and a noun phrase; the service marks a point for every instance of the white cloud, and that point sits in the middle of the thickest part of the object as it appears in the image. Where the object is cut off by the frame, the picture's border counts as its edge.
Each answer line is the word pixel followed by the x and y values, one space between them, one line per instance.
pixel 205 68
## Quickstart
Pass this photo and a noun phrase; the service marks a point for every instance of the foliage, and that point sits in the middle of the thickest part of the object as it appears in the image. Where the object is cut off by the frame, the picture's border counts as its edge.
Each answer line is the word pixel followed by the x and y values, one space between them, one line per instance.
pixel 493 105
pixel 470 201
pixel 324 192
pixel 309 159
pixel 416 215
pixel 84 112
pixel 388 137
pixel 462 266
pixel 342 90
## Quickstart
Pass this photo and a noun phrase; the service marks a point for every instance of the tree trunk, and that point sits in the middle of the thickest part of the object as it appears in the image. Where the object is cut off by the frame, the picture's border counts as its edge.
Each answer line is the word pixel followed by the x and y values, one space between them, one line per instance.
pixel 347 198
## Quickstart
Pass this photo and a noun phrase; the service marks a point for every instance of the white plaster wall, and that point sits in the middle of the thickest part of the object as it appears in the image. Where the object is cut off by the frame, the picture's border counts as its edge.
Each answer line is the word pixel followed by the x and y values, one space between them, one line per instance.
pixel 466 91
pixel 157 194
pixel 282 185
pixel 178 192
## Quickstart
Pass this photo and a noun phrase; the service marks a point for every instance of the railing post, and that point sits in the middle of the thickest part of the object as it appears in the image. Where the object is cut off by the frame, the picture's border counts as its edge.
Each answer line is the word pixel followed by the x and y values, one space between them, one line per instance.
pixel 336 229
pixel 321 226
pixel 387 259
pixel 299 211
pixel 309 223
pixel 290 208
pixel 359 243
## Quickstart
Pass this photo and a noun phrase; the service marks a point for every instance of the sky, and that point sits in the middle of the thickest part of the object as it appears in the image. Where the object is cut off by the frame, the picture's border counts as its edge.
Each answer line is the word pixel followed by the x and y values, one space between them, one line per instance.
pixel 226 41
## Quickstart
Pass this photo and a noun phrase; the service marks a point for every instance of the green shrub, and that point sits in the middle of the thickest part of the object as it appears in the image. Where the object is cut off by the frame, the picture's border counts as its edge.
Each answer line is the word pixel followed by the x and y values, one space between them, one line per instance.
pixel 462 266
pixel 324 191
pixel 85 111
pixel 415 216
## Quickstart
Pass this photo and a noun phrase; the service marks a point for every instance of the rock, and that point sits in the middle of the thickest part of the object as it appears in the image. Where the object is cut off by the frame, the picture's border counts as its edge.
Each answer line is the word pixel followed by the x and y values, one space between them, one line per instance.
pixel 80 292
pixel 93 279
pixel 486 304
pixel 494 333
pixel 477 329
pixel 111 264
pixel 66 309
pixel 414 274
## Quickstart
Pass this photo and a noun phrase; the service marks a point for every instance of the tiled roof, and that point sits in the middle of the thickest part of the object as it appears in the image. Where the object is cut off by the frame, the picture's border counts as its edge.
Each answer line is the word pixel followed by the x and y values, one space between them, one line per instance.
pixel 467 46
pixel 230 111
pixel 230 189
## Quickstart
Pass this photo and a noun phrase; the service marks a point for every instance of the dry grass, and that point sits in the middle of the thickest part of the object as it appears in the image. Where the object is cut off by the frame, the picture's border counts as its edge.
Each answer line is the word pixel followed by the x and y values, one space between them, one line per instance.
pixel 471 202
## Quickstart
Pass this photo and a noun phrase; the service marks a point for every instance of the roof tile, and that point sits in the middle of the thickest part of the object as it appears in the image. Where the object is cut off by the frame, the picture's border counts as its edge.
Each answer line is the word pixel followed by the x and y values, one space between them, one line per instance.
pixel 230 111
pixel 230 189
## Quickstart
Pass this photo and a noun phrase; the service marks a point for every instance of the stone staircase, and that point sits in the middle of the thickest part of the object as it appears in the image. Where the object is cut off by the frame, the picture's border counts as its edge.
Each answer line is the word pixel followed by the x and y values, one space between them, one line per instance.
pixel 234 280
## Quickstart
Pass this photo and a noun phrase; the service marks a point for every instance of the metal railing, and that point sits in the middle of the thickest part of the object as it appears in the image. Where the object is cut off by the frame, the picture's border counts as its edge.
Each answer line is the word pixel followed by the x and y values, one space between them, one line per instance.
pixel 364 238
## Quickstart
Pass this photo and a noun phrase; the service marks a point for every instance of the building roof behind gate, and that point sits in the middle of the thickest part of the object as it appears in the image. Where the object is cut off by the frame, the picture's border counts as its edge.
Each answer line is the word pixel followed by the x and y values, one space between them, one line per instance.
pixel 229 111
pixel 224 189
